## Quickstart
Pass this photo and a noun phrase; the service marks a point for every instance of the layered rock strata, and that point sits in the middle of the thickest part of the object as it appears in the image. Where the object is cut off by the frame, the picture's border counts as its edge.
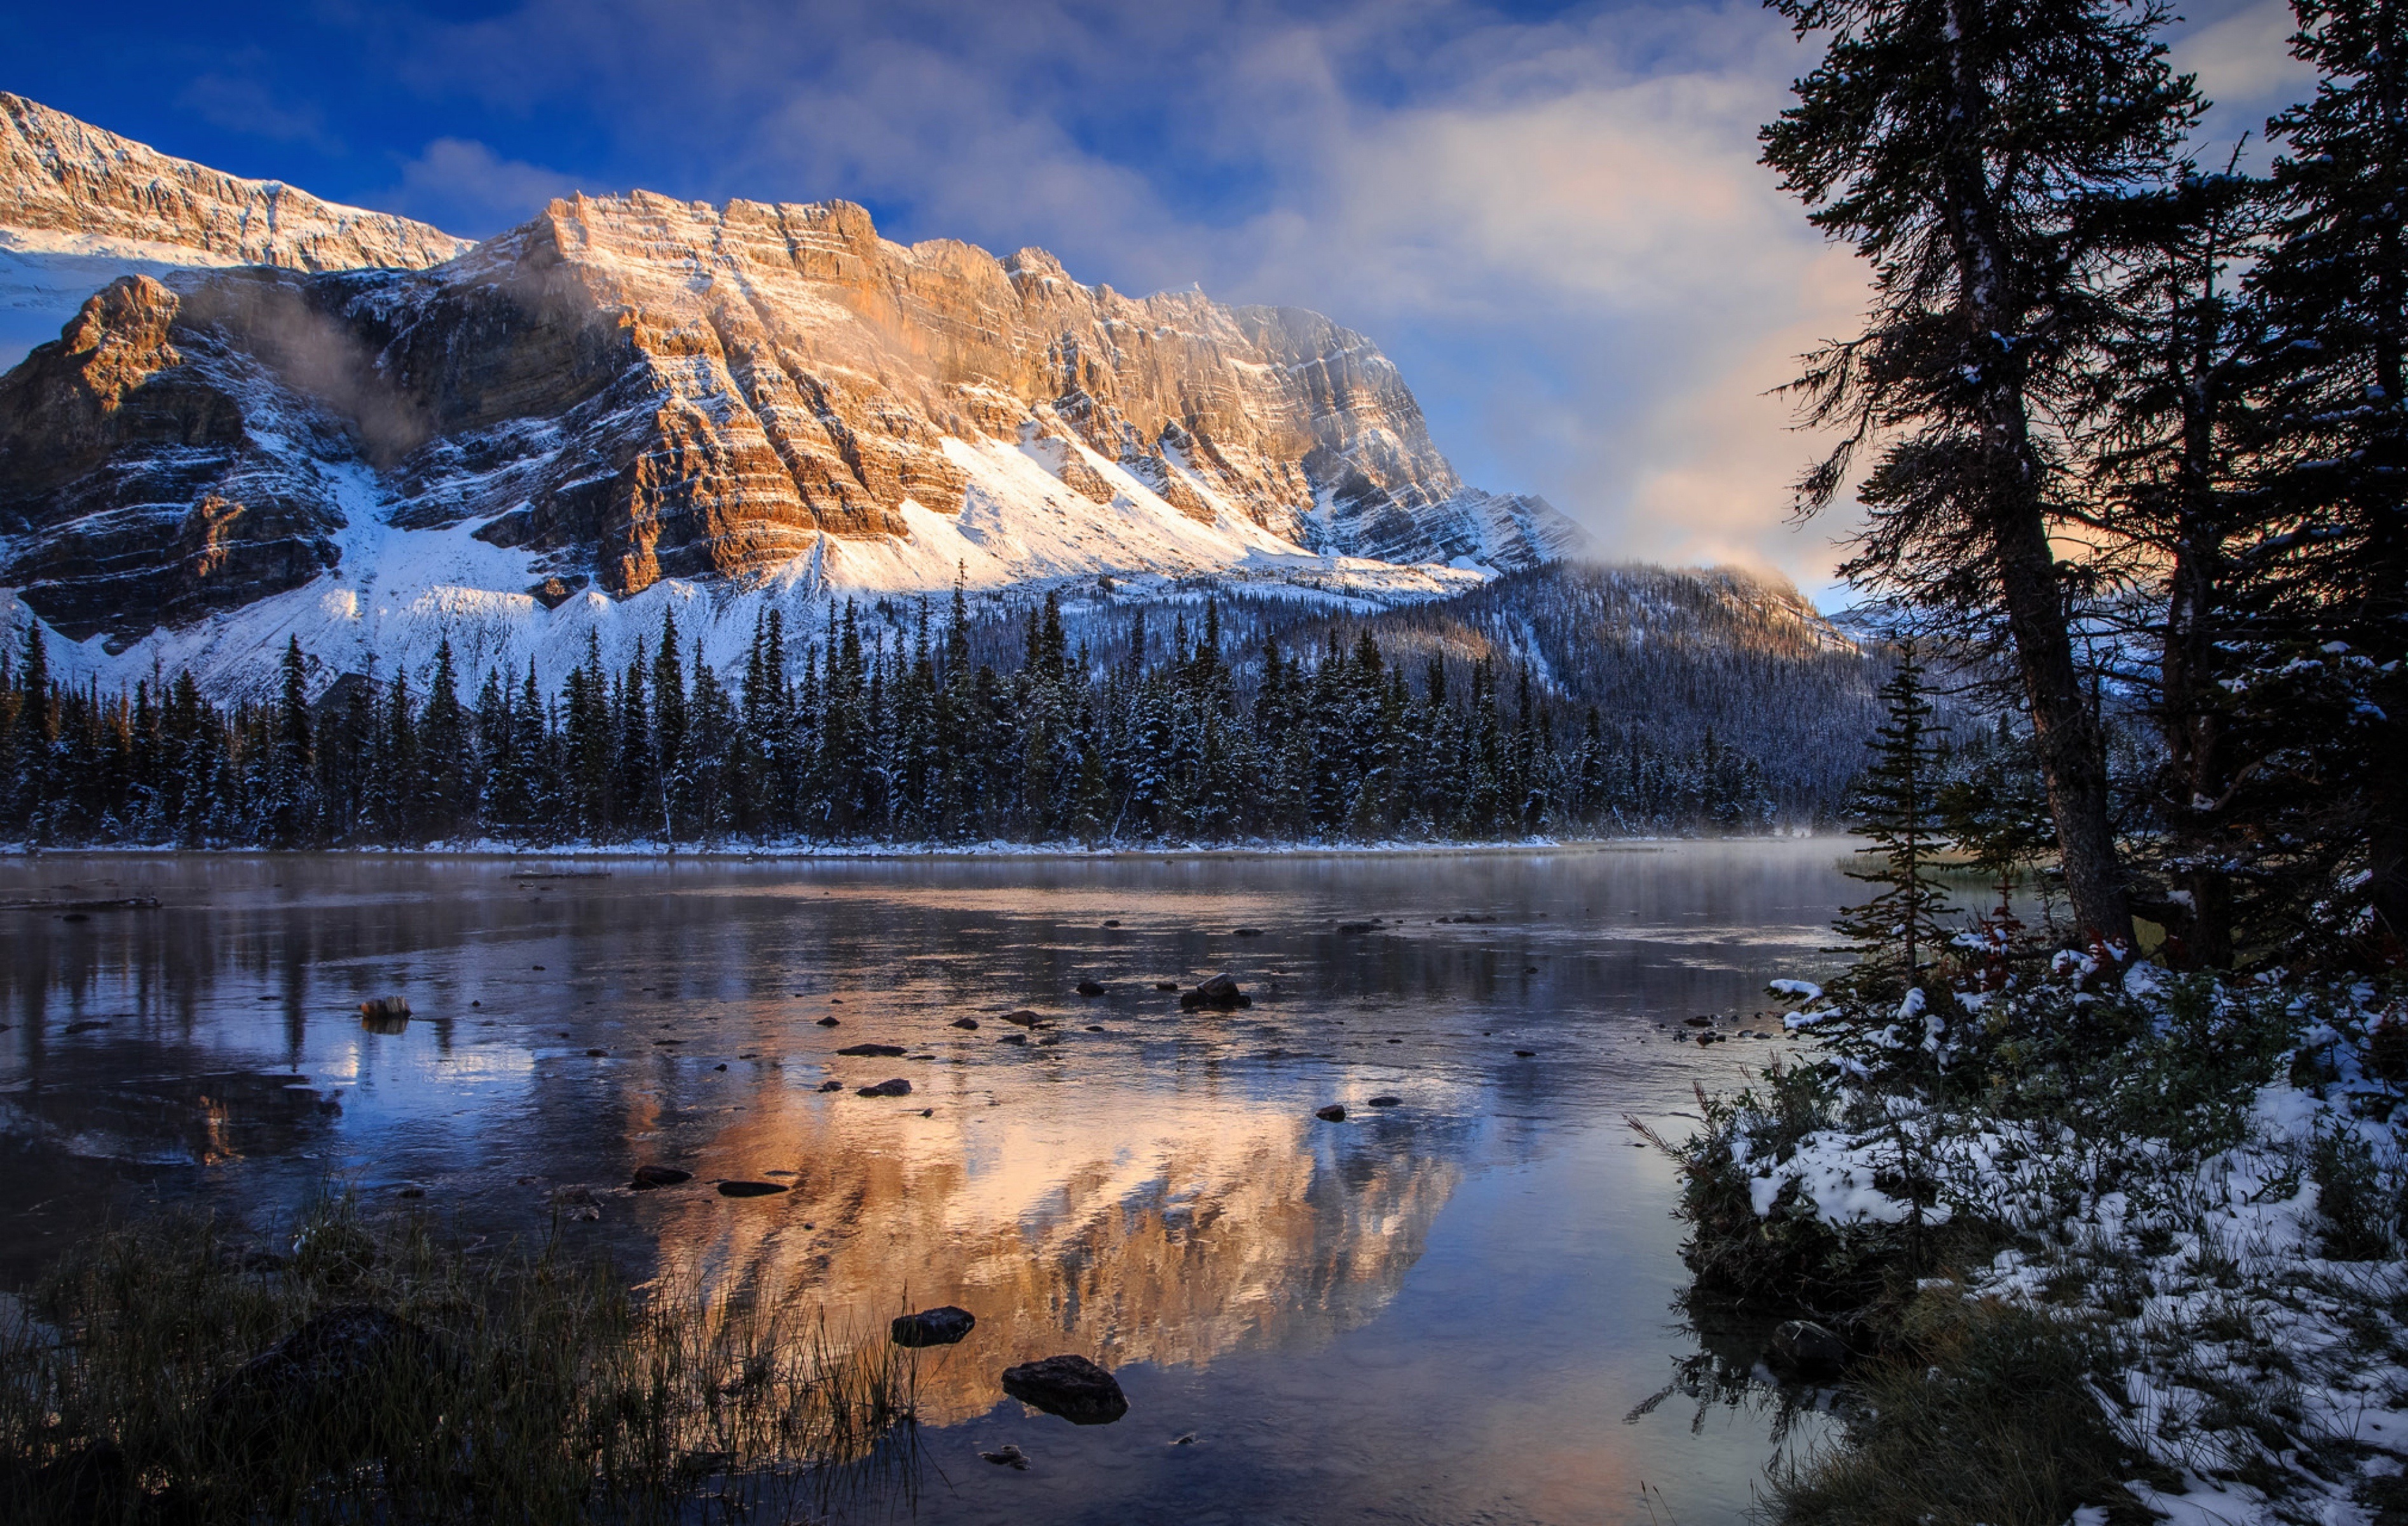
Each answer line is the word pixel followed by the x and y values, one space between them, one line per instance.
pixel 631 389
pixel 82 185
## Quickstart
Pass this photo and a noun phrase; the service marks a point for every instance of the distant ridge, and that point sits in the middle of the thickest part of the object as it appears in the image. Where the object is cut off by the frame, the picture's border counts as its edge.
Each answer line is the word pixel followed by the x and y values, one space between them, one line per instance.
pixel 63 177
pixel 288 419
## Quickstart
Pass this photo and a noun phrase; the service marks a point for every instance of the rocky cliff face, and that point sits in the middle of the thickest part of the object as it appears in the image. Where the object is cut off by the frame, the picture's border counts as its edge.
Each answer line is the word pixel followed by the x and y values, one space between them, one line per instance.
pixel 629 390
pixel 82 185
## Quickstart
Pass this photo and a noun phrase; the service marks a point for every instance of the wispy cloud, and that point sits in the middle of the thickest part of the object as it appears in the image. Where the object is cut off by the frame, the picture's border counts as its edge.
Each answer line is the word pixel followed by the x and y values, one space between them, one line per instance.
pixel 1556 225
pixel 464 187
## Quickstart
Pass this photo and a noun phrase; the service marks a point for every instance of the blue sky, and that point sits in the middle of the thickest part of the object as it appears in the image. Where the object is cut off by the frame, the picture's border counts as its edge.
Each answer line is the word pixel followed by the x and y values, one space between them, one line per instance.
pixel 1549 215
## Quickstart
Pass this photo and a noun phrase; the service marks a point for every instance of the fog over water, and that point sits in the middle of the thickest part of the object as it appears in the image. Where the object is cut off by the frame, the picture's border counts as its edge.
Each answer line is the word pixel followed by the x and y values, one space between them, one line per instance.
pixel 1444 1311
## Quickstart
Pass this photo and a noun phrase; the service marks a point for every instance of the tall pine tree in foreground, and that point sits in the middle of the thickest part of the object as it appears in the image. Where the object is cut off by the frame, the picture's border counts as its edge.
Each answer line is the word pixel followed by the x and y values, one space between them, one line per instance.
pixel 1955 145
pixel 2324 596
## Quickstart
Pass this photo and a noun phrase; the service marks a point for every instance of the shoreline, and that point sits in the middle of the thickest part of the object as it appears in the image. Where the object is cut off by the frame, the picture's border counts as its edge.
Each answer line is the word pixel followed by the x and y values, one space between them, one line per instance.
pixel 487 851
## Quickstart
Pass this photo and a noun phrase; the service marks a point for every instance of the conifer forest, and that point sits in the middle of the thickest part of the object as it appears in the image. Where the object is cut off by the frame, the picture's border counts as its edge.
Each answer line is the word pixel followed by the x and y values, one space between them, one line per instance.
pixel 896 734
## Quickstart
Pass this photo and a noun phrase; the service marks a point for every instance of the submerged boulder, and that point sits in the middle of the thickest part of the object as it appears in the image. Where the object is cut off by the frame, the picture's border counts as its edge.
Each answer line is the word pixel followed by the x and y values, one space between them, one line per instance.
pixel 649 1177
pixel 942 1325
pixel 1071 1386
pixel 1807 1348
pixel 1220 993
pixel 897 1087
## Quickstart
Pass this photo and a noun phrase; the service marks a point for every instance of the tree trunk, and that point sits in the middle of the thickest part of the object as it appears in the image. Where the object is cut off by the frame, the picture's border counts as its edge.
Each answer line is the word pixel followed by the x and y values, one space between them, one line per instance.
pixel 2065 733
pixel 2009 508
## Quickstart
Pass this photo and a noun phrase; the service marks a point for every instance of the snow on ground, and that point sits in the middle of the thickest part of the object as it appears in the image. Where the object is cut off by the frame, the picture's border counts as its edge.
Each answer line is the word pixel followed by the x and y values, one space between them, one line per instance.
pixel 2214 1274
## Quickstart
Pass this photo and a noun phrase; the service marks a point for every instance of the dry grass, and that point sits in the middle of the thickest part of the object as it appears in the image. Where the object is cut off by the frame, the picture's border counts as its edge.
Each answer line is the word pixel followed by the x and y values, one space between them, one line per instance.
pixel 1984 1418
pixel 541 1391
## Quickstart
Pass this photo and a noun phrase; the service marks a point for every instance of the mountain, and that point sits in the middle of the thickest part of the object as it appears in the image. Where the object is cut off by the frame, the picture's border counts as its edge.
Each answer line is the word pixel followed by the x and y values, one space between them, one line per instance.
pixel 80 207
pixel 632 399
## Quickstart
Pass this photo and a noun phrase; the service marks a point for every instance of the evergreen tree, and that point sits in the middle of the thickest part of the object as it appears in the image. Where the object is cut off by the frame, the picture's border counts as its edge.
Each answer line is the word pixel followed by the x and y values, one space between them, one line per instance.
pixel 2325 600
pixel 1955 143
pixel 1898 932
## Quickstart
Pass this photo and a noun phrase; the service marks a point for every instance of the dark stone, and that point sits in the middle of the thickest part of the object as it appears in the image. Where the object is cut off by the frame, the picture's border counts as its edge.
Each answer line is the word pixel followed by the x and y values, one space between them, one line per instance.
pixel 1220 993
pixel 385 1014
pixel 1071 1386
pixel 1013 1038
pixel 1095 1028
pixel 1010 1457
pixel 968 1025
pixel 933 1327
pixel 1024 1019
pixel 595 1054
pixel 1355 929
pixel 337 1376
pixel 750 1189
pixel 1166 985
pixel 829 1022
pixel 1388 1101
pixel 873 1051
pixel 649 1177
pixel 1246 932
pixel 1332 1114
pixel 1526 1054
pixel 551 593
pixel 831 1086
pixel 1698 1022
pixel 1111 921
pixel 1089 987
pixel 1804 1347
pixel 897 1087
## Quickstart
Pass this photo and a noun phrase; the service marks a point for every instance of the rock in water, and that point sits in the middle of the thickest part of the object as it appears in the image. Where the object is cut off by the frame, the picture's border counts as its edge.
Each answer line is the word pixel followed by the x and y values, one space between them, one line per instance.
pixel 1024 1019
pixel 362 1377
pixel 1386 1101
pixel 897 1087
pixel 968 1025
pixel 1010 1457
pixel 385 1014
pixel 1809 1348
pixel 1166 985
pixel 831 1022
pixel 1089 987
pixel 1071 1386
pixel 649 1177
pixel 933 1327
pixel 1221 993
pixel 750 1190
pixel 875 1051
pixel 1332 1114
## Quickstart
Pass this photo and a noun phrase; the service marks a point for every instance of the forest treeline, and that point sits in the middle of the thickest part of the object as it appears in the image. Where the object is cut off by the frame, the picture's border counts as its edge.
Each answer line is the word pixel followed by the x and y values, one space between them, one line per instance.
pixel 864 734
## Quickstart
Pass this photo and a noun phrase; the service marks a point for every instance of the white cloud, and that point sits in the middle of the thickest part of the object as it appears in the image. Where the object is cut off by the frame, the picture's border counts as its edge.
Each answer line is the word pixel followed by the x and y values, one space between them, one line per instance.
pixel 1558 227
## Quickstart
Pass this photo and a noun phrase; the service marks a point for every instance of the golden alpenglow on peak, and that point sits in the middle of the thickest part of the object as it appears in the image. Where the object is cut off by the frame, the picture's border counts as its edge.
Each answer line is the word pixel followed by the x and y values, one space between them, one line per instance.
pixel 773 401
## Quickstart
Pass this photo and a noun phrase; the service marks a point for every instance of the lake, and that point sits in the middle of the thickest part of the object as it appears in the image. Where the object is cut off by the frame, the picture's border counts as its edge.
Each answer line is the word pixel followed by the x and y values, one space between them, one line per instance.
pixel 1457 1309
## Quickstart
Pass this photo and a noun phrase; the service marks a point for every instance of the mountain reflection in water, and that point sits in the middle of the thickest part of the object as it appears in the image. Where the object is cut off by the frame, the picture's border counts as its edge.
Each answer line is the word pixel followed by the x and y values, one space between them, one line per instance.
pixel 1443 1311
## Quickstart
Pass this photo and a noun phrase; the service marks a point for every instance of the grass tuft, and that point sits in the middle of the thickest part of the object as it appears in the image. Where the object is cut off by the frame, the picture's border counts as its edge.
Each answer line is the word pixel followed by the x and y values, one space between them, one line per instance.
pixel 444 1386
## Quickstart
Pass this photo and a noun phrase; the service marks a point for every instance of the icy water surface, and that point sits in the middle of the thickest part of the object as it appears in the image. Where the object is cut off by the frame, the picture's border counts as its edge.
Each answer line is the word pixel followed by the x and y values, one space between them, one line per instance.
pixel 1447 1311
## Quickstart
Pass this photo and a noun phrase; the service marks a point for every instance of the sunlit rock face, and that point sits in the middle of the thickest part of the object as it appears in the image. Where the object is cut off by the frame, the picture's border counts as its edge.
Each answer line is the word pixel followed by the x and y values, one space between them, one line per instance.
pixel 1207 1226
pixel 74 181
pixel 632 389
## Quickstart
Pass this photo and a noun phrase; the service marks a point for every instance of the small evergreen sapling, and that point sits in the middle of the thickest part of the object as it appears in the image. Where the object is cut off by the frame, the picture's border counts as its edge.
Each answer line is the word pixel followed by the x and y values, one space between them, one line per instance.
pixel 1896 933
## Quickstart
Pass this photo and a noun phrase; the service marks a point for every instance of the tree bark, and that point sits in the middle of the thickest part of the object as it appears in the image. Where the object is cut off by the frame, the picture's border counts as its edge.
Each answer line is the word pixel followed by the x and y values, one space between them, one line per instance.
pixel 2008 505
